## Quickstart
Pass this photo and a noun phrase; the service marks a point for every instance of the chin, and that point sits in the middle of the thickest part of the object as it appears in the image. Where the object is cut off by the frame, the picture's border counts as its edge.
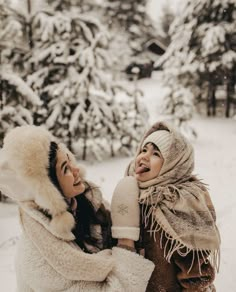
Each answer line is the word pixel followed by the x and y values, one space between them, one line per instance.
pixel 139 178
pixel 81 189
pixel 143 177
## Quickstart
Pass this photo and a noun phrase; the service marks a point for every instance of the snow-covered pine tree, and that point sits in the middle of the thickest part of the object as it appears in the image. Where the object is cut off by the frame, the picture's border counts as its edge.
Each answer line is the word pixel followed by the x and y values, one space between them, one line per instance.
pixel 74 80
pixel 131 28
pixel 17 103
pixel 13 38
pixel 17 100
pixel 201 54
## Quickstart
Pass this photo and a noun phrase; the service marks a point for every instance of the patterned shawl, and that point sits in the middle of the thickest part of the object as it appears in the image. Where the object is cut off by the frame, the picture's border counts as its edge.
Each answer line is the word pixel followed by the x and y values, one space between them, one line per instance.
pixel 177 204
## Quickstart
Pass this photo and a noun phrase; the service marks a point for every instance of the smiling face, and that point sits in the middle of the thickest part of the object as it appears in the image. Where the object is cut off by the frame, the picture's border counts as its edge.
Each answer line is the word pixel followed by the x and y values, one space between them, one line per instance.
pixel 148 163
pixel 68 175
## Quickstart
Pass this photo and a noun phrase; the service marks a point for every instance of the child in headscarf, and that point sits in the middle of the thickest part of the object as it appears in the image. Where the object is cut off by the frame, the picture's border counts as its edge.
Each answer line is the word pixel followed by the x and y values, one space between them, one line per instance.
pixel 178 232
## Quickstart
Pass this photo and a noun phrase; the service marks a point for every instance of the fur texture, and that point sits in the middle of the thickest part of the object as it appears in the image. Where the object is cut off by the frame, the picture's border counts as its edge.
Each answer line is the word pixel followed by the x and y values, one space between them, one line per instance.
pixel 26 150
pixel 47 263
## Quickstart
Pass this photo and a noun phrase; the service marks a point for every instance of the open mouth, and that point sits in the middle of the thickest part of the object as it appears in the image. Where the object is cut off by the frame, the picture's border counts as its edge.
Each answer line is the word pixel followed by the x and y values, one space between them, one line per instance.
pixel 142 168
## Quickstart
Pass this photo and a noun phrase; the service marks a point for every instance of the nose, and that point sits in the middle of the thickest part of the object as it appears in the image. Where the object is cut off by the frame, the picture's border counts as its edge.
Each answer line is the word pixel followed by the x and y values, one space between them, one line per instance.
pixel 75 171
pixel 146 155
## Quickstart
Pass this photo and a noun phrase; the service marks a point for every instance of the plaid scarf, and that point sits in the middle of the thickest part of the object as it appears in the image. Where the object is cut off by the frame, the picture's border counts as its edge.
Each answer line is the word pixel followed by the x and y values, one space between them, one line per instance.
pixel 178 205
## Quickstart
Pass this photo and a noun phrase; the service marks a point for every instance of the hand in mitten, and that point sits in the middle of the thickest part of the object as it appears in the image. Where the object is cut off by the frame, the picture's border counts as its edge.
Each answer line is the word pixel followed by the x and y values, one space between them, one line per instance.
pixel 125 209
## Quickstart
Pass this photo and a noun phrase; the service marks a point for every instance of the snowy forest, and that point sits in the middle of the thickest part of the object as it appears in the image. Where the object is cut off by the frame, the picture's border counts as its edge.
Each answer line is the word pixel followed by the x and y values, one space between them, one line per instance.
pixel 63 66
pixel 60 69
pixel 98 73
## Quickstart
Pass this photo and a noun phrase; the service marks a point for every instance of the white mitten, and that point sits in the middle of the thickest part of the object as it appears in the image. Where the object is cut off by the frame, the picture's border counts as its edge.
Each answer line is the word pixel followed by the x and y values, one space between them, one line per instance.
pixel 125 209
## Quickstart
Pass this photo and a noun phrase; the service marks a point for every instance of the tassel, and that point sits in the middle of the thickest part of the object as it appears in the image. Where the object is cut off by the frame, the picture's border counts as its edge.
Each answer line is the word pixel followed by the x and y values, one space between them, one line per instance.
pixel 199 263
pixel 192 262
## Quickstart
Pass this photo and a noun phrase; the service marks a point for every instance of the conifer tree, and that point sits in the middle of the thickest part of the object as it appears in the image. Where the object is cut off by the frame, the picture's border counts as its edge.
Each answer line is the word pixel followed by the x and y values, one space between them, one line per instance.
pixel 201 54
pixel 13 39
pixel 69 65
pixel 17 100
pixel 73 76
pixel 129 19
pixel 17 103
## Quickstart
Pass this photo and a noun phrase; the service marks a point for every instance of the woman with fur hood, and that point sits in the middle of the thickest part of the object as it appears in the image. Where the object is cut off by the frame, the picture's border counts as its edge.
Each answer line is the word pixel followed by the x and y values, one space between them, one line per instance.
pixel 179 233
pixel 65 224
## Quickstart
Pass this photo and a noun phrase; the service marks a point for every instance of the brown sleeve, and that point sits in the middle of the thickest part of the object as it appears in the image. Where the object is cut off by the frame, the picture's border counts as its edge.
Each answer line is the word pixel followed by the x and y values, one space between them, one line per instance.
pixel 199 278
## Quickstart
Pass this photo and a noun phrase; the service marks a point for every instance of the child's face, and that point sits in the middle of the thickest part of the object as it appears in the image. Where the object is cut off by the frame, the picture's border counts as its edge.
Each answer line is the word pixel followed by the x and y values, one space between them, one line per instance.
pixel 148 163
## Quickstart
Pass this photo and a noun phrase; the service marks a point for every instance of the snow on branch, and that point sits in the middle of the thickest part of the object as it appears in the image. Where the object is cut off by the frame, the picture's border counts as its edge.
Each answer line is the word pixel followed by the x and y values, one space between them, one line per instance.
pixel 21 87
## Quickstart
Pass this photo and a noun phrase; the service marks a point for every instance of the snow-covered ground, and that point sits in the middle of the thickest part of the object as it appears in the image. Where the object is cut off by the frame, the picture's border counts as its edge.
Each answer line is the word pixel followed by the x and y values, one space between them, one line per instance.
pixel 215 158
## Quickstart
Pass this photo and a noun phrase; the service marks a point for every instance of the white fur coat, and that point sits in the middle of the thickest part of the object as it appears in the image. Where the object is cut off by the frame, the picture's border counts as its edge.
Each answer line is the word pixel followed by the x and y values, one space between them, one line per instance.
pixel 47 263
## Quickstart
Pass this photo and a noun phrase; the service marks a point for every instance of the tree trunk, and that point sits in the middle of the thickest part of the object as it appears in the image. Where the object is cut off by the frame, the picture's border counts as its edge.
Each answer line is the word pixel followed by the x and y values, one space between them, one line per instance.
pixel 230 96
pixel 85 143
pixel 211 100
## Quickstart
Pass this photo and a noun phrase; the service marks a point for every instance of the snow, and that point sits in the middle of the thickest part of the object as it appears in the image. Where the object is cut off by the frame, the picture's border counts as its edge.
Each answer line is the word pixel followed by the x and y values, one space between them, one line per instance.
pixel 215 158
pixel 21 87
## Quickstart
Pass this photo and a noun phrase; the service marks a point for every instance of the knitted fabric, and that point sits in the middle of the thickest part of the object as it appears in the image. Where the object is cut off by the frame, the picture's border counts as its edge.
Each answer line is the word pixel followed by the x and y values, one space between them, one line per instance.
pixel 178 204
pixel 125 209
pixel 161 139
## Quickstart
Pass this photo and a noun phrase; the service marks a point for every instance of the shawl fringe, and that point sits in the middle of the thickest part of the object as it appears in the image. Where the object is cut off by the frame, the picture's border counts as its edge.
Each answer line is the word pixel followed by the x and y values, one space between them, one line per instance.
pixel 171 245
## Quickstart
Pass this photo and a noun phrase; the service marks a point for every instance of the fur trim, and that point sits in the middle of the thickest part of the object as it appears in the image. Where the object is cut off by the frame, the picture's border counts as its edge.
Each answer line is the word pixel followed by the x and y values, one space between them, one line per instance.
pixel 125 232
pixel 63 223
pixel 10 185
pixel 48 197
pixel 52 225
pixel 26 150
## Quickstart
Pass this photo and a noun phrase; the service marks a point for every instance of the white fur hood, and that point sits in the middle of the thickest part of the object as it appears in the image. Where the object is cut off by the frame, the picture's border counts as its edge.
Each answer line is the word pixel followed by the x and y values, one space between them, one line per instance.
pixel 24 174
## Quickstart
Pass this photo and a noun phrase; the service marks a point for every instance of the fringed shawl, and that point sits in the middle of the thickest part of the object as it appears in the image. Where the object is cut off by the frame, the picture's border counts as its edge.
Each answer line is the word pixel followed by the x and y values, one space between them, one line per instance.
pixel 178 205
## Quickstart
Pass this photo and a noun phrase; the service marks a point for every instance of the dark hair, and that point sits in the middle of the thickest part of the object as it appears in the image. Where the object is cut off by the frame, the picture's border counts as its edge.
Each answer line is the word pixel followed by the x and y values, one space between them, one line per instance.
pixel 52 173
pixel 153 145
pixel 85 214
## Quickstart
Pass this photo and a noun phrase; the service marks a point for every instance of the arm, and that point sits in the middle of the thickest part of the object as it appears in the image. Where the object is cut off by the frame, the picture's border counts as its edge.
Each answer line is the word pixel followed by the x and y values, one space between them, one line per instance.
pixel 109 271
pixel 65 257
pixel 125 227
pixel 132 270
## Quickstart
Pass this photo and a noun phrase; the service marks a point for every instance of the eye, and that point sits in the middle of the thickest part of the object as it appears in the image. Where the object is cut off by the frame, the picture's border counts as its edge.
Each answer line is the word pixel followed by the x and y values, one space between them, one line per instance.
pixel 65 169
pixel 156 154
pixel 144 150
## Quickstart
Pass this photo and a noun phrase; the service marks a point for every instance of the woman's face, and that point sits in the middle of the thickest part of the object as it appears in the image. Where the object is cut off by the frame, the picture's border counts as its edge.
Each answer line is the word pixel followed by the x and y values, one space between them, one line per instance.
pixel 68 175
pixel 148 163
